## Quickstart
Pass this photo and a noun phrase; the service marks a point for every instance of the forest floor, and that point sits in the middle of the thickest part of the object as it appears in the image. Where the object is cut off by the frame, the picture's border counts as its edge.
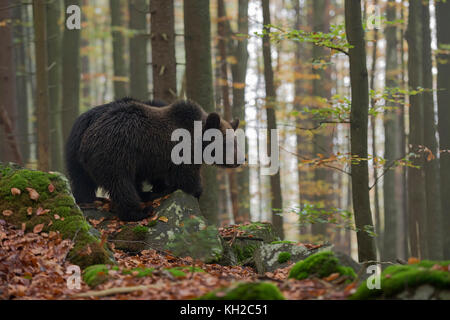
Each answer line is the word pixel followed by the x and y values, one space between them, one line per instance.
pixel 34 266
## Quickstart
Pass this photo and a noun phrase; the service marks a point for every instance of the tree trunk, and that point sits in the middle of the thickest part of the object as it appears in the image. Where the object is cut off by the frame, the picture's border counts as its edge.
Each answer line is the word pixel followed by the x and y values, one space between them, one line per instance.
pixel 138 10
pixel 163 50
pixel 443 94
pixel 358 129
pixel 70 75
pixel 7 84
pixel 117 8
pixel 199 85
pixel 416 177
pixel 239 73
pixel 54 32
pixel 433 197
pixel 275 183
pixel 392 144
pixel 42 99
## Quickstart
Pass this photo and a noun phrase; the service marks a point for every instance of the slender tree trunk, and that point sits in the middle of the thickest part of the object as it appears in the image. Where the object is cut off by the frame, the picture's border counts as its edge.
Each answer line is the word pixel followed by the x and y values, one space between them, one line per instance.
pixel 392 144
pixel 199 85
pixel 22 96
pixel 416 177
pixel 70 75
pixel 7 84
pixel 239 73
pixel 117 26
pixel 163 50
pixel 138 10
pixel 54 38
pixel 443 94
pixel 42 99
pixel 433 197
pixel 358 129
pixel 275 183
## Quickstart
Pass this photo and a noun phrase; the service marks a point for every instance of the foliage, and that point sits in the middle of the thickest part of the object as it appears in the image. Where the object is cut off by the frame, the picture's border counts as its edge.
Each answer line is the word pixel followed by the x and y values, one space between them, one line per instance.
pixel 246 291
pixel 284 257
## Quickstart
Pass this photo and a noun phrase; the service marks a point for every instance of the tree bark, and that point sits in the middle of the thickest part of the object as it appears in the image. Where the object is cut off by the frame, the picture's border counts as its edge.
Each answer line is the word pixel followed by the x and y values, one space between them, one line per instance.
pixel 42 108
pixel 275 183
pixel 199 85
pixel 416 177
pixel 358 129
pixel 443 95
pixel 392 144
pixel 7 84
pixel 138 10
pixel 54 38
pixel 117 8
pixel 163 50
pixel 433 197
pixel 70 75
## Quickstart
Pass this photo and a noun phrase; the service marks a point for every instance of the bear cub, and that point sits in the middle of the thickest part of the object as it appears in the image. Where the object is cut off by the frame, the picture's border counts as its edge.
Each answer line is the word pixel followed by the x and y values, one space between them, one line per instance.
pixel 120 145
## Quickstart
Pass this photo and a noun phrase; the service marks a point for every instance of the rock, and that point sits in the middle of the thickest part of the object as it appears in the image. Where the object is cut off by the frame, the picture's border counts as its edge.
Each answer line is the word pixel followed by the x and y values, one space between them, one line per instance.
pixel 320 264
pixel 42 202
pixel 178 218
pixel 423 280
pixel 248 237
pixel 269 257
pixel 246 291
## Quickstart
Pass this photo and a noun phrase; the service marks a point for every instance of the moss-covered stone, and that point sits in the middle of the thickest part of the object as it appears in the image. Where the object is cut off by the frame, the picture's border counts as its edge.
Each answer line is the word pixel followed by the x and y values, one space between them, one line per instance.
pixel 246 291
pixel 284 257
pixel 320 265
pixel 97 274
pixel 399 278
pixel 50 192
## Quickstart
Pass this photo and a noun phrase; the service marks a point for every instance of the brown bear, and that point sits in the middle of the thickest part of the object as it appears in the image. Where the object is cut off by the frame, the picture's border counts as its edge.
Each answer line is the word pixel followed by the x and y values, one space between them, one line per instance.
pixel 120 145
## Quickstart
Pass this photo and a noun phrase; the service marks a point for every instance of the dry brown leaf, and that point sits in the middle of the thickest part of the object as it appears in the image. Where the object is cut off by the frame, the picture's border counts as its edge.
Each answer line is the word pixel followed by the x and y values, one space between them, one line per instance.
pixel 332 277
pixel 51 188
pixel 163 219
pixel 40 211
pixel 38 228
pixel 15 191
pixel 413 260
pixel 29 211
pixel 56 216
pixel 7 213
pixel 34 195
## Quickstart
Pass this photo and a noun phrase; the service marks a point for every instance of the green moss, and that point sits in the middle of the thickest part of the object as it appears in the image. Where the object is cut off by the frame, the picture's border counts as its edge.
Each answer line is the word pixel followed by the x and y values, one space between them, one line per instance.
pixel 243 250
pixel 139 272
pixel 283 242
pixel 64 216
pixel 284 257
pixel 320 264
pixel 181 271
pixel 140 230
pixel 96 274
pixel 246 291
pixel 397 278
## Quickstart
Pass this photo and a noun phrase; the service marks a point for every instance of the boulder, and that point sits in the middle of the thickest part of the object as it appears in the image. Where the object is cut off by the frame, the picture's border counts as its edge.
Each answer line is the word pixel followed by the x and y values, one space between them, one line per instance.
pixel 177 225
pixel 271 256
pixel 41 202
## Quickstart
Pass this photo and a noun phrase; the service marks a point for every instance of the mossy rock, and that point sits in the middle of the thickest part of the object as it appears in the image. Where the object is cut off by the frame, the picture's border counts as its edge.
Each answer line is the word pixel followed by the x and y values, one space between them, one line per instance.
pixel 160 234
pixel 321 265
pixel 246 291
pixel 410 282
pixel 64 216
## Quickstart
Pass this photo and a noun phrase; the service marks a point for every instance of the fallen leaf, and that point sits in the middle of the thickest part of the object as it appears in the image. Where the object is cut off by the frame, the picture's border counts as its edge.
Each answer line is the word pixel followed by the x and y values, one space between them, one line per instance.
pixel 163 219
pixel 413 260
pixel 56 216
pixel 7 213
pixel 332 277
pixel 15 191
pixel 51 188
pixel 38 228
pixel 34 195
pixel 29 211
pixel 23 226
pixel 40 211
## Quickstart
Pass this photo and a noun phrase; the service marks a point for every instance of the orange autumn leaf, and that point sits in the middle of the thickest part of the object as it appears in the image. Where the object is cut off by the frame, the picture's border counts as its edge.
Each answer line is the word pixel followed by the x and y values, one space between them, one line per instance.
pixel 15 191
pixel 38 228
pixel 332 277
pixel 413 260
pixel 34 195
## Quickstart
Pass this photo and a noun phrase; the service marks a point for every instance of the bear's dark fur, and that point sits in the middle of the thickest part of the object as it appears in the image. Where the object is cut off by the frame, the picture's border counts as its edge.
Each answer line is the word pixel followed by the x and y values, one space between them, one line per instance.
pixel 120 145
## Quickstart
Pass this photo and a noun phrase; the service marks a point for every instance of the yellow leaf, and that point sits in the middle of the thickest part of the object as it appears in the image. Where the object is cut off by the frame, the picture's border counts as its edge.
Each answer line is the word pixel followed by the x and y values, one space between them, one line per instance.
pixel 163 219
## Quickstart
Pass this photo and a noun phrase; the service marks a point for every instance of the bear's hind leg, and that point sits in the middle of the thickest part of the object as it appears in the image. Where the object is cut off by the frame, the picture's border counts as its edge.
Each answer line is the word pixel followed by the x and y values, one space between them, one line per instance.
pixel 83 187
pixel 124 194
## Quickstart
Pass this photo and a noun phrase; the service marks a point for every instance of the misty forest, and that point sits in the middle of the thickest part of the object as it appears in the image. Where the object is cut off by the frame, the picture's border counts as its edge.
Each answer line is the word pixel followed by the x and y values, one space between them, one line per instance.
pixel 345 106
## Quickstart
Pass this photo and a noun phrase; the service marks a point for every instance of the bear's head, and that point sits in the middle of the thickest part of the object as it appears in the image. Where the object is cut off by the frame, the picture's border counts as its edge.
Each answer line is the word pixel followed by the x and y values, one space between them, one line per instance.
pixel 231 152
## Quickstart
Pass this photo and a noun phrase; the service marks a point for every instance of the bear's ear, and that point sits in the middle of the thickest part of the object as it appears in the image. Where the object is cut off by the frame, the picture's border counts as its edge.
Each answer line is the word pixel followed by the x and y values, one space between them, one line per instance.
pixel 235 124
pixel 213 121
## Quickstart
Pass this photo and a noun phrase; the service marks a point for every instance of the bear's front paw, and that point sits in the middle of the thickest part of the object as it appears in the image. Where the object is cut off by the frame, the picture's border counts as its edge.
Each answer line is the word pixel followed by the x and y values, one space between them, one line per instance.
pixel 131 216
